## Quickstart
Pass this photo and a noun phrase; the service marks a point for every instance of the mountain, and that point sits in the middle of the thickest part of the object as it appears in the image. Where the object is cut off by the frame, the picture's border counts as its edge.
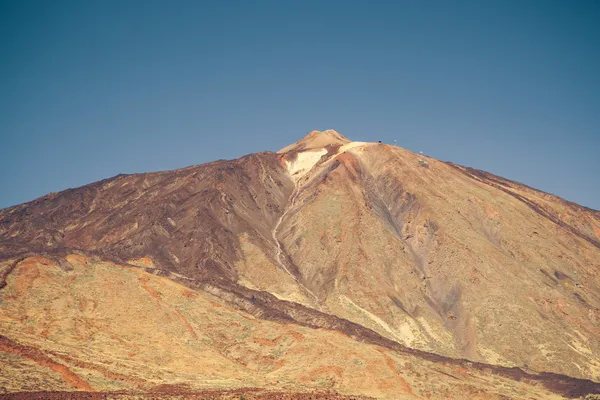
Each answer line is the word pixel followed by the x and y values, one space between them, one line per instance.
pixel 352 267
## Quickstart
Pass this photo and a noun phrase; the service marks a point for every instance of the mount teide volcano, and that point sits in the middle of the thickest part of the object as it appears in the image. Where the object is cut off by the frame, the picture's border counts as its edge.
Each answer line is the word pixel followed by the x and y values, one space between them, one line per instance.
pixel 360 268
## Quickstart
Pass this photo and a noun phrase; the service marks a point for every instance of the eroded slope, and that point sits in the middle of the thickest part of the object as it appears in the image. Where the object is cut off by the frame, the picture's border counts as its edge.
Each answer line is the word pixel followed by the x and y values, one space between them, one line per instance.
pixel 439 261
pixel 426 254
pixel 74 322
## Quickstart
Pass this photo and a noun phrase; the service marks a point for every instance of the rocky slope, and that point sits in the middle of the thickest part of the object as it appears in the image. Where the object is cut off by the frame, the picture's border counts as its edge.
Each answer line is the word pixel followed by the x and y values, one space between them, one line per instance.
pixel 408 257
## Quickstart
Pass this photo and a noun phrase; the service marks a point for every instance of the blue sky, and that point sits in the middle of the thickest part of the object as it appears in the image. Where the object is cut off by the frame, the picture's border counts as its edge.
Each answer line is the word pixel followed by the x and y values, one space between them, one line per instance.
pixel 90 89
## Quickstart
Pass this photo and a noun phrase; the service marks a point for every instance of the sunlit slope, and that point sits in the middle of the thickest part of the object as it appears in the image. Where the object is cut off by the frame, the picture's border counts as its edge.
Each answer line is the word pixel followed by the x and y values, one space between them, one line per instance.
pixel 431 255
pixel 78 323
pixel 426 255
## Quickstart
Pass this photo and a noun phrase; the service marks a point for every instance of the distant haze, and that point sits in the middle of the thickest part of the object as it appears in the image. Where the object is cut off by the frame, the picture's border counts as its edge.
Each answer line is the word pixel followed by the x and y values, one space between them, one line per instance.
pixel 90 89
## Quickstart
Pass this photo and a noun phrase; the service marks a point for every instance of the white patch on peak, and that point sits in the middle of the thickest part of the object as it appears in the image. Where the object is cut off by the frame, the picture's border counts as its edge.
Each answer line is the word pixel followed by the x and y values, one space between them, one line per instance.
pixel 304 162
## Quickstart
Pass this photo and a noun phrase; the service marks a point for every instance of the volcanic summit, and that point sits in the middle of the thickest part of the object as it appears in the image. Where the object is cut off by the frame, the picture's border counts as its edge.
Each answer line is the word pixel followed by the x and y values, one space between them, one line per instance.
pixel 329 268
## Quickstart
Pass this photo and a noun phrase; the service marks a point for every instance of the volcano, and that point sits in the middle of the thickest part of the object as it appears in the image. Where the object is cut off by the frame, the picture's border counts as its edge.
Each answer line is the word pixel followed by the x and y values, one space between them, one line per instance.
pixel 331 268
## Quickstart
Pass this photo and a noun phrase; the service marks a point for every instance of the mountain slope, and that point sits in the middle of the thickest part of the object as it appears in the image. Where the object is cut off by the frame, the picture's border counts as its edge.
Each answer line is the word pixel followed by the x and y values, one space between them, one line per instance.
pixel 67 324
pixel 441 262
pixel 425 254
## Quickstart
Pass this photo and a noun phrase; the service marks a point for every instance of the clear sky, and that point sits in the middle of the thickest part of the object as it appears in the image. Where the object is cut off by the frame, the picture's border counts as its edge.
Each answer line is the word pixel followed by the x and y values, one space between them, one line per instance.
pixel 90 89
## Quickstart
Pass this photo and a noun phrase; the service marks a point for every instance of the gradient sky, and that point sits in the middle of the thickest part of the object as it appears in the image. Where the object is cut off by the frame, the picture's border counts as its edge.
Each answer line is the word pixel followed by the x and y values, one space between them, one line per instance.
pixel 90 89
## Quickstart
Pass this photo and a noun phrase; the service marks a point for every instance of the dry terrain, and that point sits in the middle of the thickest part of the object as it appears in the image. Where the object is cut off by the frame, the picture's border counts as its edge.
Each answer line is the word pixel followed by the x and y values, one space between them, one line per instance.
pixel 331 268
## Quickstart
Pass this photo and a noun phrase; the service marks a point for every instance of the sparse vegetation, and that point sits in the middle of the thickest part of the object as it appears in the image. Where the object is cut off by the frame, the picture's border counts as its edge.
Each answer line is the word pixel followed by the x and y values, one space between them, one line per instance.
pixel 206 300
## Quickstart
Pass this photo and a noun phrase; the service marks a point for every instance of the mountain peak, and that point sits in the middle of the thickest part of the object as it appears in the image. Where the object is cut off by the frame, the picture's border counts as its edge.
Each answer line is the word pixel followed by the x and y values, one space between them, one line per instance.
pixel 405 259
pixel 316 140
